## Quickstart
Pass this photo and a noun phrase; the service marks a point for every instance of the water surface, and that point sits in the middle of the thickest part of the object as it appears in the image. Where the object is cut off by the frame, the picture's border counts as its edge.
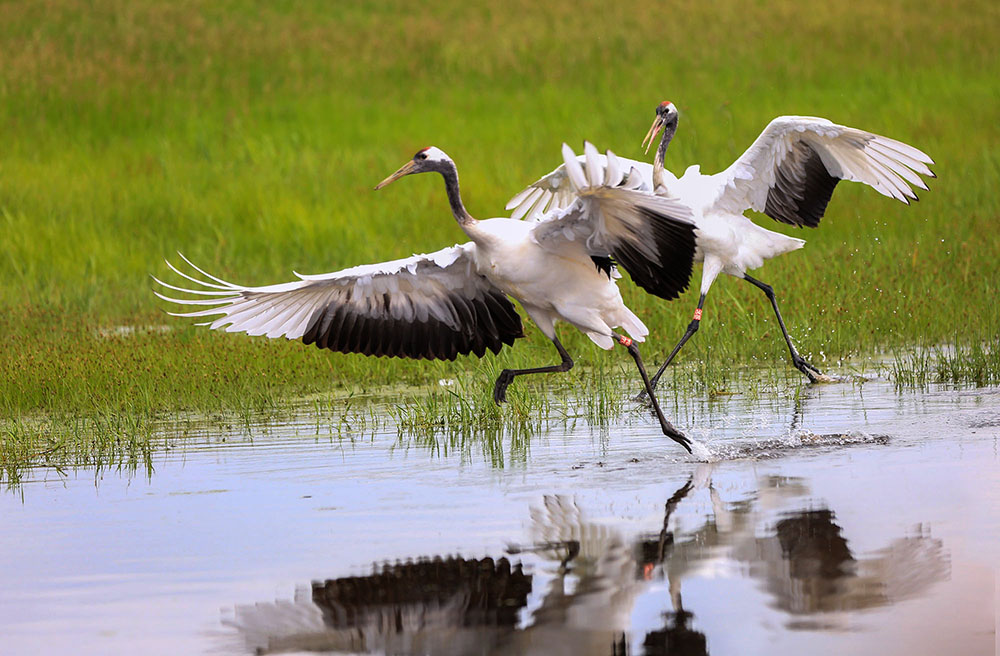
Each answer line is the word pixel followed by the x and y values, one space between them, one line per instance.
pixel 850 519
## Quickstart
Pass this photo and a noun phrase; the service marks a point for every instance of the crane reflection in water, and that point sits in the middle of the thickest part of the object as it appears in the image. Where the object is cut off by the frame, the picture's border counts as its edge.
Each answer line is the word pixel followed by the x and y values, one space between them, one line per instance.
pixel 579 581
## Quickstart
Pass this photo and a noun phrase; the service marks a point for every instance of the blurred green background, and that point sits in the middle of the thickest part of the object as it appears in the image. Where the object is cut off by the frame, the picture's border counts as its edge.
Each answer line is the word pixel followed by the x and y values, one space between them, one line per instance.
pixel 248 135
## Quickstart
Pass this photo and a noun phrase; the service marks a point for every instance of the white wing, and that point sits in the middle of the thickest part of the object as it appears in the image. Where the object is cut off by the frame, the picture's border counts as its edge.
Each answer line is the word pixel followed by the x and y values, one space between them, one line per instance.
pixel 554 192
pixel 790 171
pixel 652 237
pixel 433 306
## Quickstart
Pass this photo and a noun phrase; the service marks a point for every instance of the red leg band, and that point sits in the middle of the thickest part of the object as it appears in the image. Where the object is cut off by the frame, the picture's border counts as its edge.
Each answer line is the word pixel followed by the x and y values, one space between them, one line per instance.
pixel 624 341
pixel 697 314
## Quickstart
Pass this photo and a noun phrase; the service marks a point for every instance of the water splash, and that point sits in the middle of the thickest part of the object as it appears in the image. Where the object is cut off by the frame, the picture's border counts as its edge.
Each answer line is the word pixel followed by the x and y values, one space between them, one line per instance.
pixel 793 442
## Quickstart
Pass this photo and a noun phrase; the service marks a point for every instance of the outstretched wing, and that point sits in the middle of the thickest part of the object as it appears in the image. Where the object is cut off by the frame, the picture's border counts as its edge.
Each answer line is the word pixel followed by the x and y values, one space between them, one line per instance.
pixel 790 171
pixel 555 192
pixel 652 237
pixel 433 306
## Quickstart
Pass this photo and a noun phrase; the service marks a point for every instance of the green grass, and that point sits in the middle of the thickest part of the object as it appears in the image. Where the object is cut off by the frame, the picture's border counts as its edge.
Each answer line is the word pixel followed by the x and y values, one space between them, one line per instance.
pixel 975 364
pixel 248 135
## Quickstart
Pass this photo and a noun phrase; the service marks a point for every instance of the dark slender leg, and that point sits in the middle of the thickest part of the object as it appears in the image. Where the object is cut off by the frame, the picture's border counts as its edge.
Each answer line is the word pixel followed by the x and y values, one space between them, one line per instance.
pixel 507 376
pixel 797 360
pixel 666 426
pixel 691 330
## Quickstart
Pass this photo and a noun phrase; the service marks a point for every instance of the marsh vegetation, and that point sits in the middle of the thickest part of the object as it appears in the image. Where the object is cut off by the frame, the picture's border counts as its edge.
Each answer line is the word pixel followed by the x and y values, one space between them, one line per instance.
pixel 249 138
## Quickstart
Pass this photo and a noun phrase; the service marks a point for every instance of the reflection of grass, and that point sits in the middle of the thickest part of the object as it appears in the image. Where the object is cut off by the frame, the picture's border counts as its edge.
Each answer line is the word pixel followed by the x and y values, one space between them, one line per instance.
pixel 249 137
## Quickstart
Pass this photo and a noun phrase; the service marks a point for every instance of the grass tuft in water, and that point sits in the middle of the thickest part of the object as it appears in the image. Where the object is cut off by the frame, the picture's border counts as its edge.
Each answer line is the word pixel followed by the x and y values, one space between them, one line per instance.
pixel 122 441
pixel 976 364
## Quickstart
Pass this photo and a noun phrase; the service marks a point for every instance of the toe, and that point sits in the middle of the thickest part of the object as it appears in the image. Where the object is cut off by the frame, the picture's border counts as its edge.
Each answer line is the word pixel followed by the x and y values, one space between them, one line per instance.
pixel 681 439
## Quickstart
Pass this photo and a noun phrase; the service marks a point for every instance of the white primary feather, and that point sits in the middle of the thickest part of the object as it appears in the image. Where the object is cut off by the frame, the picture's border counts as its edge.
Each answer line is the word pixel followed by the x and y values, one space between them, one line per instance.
pixel 557 187
pixel 847 153
pixel 418 287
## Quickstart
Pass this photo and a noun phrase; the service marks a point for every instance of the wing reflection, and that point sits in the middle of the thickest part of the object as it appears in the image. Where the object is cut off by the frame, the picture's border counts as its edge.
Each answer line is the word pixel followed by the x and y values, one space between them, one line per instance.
pixel 429 606
pixel 587 606
pixel 803 559
pixel 586 575
pixel 609 573
pixel 815 571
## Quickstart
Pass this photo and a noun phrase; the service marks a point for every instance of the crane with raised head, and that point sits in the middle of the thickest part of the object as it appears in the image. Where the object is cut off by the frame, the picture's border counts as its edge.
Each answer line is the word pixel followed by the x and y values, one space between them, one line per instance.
pixel 788 173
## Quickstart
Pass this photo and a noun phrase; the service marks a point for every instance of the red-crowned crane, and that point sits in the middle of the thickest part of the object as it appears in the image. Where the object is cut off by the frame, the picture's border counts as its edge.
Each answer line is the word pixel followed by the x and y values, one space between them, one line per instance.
pixel 788 173
pixel 455 300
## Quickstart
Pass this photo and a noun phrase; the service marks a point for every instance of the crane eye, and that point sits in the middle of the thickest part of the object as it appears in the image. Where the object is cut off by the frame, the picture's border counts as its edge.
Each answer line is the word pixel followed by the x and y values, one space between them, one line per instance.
pixel 421 155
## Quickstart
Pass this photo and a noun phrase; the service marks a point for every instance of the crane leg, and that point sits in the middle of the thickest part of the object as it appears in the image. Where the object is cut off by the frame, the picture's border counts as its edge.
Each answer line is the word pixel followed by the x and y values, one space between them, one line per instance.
pixel 691 330
pixel 666 426
pixel 800 363
pixel 507 376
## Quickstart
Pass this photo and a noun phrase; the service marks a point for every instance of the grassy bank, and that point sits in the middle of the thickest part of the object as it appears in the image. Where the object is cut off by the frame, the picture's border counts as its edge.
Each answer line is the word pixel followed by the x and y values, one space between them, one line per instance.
pixel 249 136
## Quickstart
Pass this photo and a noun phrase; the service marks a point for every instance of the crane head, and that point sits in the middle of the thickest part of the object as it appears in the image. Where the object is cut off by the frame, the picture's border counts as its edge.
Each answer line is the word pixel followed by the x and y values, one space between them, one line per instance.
pixel 666 113
pixel 426 159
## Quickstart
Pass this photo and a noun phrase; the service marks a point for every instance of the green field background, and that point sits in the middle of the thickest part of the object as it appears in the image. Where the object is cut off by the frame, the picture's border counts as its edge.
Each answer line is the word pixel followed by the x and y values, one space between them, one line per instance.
pixel 249 136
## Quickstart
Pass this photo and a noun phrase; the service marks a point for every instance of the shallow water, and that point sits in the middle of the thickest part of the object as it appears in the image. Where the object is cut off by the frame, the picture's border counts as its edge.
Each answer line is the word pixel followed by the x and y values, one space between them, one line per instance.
pixel 850 519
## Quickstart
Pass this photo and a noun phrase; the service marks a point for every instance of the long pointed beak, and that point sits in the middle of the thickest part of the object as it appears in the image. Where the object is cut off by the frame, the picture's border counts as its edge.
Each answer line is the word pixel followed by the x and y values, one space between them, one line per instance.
pixel 405 169
pixel 654 130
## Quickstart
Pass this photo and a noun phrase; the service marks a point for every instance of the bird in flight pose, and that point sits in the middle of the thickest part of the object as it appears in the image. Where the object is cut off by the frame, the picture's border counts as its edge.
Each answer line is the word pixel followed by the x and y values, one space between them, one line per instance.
pixel 788 173
pixel 455 300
